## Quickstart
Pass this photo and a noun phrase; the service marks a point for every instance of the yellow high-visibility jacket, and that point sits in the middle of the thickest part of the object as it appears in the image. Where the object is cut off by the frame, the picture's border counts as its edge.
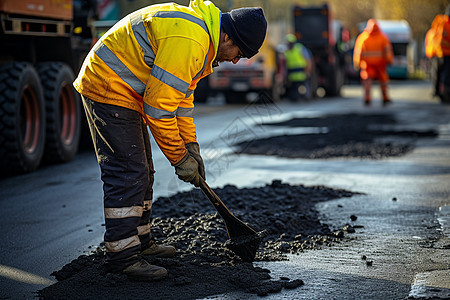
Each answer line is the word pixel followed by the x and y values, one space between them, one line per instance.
pixel 151 62
pixel 296 63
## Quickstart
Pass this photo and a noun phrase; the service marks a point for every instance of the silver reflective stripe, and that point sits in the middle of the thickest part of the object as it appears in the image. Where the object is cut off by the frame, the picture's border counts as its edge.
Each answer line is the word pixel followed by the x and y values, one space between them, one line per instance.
pixel 185 112
pixel 123 212
pixel 144 229
pixel 121 245
pixel 141 36
pixel 170 79
pixel 181 15
pixel 157 113
pixel 112 61
pixel 189 93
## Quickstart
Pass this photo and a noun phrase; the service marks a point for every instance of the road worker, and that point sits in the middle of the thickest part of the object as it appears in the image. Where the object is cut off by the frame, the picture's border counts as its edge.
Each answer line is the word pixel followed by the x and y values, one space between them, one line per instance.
pixel 433 50
pixel 444 87
pixel 299 67
pixel 372 53
pixel 143 72
pixel 437 48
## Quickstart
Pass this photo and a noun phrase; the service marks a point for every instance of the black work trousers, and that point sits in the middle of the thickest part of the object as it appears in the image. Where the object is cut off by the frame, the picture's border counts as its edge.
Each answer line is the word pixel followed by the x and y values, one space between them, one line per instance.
pixel 122 145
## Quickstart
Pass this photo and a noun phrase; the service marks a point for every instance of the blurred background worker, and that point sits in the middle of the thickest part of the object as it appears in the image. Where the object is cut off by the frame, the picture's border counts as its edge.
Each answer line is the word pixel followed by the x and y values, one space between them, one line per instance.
pixel 444 87
pixel 299 68
pixel 373 52
pixel 437 48
pixel 433 50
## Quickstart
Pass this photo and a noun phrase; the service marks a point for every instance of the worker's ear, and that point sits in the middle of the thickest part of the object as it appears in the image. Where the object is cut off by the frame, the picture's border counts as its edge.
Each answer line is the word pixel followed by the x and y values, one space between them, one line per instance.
pixel 227 40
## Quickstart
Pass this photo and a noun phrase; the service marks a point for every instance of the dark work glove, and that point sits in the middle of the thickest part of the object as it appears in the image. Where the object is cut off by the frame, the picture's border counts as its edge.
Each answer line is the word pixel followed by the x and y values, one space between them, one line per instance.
pixel 187 170
pixel 194 150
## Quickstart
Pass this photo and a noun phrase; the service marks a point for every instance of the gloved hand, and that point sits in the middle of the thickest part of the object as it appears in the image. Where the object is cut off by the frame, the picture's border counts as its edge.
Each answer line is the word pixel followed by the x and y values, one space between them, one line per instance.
pixel 187 170
pixel 194 150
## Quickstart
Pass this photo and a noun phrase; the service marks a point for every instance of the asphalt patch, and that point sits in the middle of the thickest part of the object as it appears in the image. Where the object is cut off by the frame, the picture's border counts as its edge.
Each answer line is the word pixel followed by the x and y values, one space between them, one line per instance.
pixel 204 266
pixel 369 136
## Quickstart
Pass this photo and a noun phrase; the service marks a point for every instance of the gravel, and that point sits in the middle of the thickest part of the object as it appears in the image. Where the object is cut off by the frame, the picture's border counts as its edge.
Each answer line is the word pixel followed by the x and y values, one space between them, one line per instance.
pixel 203 265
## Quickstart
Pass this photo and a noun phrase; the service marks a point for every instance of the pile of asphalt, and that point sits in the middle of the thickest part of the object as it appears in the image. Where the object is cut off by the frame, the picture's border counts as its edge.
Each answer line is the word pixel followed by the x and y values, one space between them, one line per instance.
pixel 204 266
pixel 367 136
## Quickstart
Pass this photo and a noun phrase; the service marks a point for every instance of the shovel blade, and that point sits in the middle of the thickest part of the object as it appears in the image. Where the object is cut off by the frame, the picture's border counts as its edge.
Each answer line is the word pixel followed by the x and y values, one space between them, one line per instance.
pixel 246 246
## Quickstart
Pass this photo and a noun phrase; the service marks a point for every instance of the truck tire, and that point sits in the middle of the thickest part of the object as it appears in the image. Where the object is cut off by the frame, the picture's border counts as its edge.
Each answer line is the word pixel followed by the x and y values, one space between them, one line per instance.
pixel 335 78
pixel 22 119
pixel 63 110
pixel 313 84
pixel 276 90
pixel 445 96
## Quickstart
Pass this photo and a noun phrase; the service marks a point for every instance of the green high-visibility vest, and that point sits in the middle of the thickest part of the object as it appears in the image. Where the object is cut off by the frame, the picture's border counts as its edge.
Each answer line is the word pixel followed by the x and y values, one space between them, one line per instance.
pixel 296 63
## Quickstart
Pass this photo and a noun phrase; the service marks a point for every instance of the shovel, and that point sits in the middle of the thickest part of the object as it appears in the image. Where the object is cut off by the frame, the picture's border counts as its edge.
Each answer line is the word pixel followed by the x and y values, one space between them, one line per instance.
pixel 243 240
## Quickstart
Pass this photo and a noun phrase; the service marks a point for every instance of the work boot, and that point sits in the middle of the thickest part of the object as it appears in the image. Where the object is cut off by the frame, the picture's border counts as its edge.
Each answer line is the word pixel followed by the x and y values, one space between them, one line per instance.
pixel 143 271
pixel 386 101
pixel 159 250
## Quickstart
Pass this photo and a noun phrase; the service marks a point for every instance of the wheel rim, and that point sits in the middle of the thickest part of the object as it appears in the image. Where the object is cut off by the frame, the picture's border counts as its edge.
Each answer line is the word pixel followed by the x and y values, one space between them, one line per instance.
pixel 30 122
pixel 68 114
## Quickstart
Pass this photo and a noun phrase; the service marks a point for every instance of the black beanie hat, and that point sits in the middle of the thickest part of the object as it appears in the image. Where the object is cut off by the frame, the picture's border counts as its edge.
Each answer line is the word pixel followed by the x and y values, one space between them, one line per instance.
pixel 246 27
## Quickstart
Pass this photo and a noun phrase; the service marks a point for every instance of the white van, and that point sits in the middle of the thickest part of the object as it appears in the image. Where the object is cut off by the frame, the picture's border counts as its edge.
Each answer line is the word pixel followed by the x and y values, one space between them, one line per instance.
pixel 399 32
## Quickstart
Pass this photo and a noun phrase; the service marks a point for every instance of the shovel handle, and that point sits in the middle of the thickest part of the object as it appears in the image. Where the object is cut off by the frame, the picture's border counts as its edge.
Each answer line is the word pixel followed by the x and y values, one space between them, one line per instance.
pixel 214 199
pixel 235 227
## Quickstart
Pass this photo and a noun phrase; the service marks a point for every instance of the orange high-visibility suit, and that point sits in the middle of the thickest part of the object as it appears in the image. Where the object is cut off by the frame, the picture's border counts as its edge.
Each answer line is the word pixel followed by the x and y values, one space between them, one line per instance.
pixel 444 86
pixel 433 37
pixel 372 52
pixel 433 50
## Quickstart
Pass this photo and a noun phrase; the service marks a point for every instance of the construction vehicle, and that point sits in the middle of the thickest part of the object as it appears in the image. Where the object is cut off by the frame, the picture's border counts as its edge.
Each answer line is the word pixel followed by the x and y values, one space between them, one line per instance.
pixel 43 44
pixel 250 80
pixel 326 38
pixel 400 34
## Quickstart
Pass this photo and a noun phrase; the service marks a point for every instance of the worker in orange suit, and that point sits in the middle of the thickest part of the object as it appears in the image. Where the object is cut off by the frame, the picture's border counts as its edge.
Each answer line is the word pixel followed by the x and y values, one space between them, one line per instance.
pixel 372 53
pixel 433 50
pixel 445 46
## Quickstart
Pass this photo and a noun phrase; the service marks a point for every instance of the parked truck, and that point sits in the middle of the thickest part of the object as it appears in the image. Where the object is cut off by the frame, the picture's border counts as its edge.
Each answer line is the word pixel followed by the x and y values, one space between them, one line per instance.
pixel 326 38
pixel 43 43
pixel 250 80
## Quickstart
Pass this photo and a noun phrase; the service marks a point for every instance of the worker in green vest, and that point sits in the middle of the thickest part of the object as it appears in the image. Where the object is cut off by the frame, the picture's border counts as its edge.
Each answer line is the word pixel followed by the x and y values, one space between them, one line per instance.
pixel 299 68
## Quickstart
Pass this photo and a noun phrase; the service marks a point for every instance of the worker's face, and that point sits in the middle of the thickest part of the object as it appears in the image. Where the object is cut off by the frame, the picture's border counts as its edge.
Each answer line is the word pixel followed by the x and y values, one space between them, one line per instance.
pixel 227 51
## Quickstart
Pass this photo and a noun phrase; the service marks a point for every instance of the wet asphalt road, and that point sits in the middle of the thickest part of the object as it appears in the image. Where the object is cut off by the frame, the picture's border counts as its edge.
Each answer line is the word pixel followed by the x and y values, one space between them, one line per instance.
pixel 51 216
